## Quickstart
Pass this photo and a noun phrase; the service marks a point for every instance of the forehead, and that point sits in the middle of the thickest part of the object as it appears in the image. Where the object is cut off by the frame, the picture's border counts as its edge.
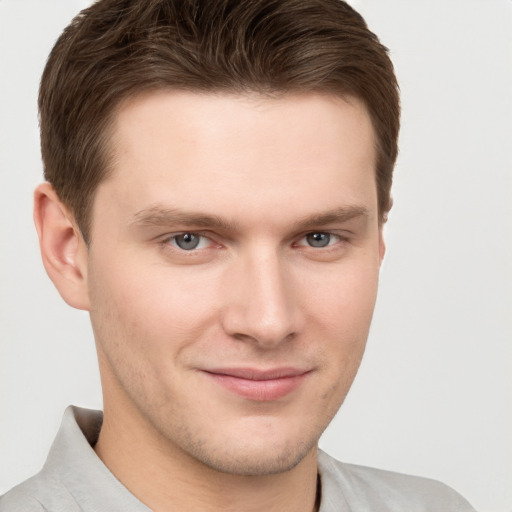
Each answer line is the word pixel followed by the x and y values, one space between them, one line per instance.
pixel 221 152
pixel 263 122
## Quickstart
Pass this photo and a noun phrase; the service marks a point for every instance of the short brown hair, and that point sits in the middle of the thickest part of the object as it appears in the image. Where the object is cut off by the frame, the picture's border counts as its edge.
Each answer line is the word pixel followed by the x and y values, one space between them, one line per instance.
pixel 119 48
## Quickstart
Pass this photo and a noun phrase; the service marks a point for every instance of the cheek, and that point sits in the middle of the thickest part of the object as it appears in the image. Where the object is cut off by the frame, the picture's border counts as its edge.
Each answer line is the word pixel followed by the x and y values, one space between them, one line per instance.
pixel 145 324
pixel 140 291
pixel 343 300
pixel 140 308
pixel 342 314
pixel 148 313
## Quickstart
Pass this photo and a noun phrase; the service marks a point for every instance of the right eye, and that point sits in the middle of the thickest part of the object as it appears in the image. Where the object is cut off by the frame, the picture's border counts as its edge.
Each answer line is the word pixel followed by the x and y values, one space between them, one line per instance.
pixel 189 241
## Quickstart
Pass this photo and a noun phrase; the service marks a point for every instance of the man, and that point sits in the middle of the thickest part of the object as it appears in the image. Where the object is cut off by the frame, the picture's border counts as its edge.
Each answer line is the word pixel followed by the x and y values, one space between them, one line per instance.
pixel 218 177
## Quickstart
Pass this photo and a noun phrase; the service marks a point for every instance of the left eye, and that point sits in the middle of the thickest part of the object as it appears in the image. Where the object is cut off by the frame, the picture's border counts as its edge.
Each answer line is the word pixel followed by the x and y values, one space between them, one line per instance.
pixel 320 239
pixel 189 241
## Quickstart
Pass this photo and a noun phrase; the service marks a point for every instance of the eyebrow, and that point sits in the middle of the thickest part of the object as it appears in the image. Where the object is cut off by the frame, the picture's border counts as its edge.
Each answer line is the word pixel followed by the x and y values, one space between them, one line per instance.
pixel 159 216
pixel 336 216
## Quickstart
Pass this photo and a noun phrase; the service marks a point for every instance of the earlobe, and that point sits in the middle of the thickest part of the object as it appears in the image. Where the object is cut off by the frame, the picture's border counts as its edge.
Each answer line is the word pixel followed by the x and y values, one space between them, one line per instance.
pixel 382 244
pixel 63 249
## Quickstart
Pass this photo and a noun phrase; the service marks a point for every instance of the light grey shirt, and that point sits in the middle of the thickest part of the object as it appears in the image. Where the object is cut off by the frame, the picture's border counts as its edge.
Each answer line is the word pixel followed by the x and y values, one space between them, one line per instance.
pixel 74 479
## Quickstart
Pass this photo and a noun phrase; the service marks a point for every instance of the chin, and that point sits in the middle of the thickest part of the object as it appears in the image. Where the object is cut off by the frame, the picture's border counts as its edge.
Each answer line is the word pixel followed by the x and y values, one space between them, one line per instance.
pixel 265 457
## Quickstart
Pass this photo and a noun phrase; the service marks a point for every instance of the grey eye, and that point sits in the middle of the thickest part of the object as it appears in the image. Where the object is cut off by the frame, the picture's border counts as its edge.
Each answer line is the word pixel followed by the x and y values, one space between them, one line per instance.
pixel 187 241
pixel 318 239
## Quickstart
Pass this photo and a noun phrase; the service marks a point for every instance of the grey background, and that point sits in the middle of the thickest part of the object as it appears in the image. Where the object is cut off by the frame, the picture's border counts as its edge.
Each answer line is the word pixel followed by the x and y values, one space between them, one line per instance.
pixel 434 393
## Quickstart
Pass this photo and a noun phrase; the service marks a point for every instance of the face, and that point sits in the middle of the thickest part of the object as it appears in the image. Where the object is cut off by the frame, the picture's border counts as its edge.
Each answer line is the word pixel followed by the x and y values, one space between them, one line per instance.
pixel 233 270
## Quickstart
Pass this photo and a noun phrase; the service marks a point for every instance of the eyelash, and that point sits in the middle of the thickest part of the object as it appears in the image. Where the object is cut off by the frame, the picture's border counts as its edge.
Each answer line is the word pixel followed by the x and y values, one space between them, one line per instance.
pixel 170 243
pixel 337 239
pixel 170 240
pixel 200 240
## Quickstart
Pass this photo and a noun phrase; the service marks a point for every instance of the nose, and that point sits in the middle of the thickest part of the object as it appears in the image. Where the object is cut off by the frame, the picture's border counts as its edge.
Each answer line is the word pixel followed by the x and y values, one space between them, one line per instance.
pixel 261 305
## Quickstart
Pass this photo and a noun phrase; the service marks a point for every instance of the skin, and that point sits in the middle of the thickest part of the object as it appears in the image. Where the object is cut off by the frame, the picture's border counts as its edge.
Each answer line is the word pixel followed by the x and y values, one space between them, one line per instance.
pixel 253 178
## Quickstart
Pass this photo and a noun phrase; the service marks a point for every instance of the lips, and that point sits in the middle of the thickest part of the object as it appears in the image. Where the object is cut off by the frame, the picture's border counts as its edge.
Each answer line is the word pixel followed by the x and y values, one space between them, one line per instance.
pixel 259 385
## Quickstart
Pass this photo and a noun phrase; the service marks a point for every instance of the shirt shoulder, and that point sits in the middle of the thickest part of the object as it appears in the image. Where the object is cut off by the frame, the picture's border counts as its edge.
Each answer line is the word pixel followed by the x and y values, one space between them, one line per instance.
pixel 37 494
pixel 16 500
pixel 363 489
pixel 73 478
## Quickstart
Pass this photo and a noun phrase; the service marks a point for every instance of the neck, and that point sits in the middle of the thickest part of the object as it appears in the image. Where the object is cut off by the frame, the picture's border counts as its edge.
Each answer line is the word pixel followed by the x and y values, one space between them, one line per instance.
pixel 164 477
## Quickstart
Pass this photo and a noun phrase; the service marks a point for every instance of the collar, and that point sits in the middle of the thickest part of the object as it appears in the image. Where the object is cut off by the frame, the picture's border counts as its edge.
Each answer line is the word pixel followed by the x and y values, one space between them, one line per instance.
pixel 83 474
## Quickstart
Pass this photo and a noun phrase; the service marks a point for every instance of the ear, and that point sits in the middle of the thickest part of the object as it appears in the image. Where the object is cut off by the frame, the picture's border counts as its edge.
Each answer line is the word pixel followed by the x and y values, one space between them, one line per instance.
pixel 382 243
pixel 63 248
